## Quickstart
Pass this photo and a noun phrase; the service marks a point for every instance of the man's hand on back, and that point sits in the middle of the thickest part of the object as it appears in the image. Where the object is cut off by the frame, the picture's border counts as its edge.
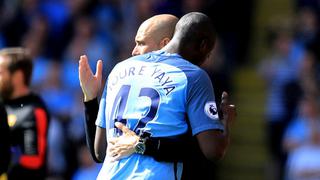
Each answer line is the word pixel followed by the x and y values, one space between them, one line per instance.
pixel 124 145
pixel 90 83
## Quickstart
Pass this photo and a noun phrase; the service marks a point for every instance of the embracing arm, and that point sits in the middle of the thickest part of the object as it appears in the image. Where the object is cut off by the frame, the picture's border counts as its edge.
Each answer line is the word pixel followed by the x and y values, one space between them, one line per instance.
pixel 168 149
pixel 161 149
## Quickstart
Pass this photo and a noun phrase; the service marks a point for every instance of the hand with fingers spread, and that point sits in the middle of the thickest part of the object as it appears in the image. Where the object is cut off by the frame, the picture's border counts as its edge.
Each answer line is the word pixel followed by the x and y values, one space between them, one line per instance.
pixel 124 145
pixel 90 83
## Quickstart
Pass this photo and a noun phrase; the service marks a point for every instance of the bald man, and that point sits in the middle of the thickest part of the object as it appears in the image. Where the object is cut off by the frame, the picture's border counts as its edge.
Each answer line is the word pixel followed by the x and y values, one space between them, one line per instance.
pixel 153 34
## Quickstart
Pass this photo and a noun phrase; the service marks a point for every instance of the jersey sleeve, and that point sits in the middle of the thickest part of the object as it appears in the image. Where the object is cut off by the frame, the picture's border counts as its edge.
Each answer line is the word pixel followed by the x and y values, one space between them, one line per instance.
pixel 35 141
pixel 91 112
pixel 201 106
pixel 101 120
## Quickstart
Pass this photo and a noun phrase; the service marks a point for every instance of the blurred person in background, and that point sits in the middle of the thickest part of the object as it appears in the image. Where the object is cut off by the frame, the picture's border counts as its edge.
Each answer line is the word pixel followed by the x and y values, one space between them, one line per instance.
pixel 4 143
pixel 309 71
pixel 86 40
pixel 303 55
pixel 290 72
pixel 278 69
pixel 27 116
pixel 302 141
pixel 133 13
pixel 45 81
pixel 17 19
pixel 306 26
pixel 35 40
pixel 60 103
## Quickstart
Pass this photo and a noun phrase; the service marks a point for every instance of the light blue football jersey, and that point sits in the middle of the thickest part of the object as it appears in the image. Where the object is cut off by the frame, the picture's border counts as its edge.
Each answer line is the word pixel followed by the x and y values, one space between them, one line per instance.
pixel 159 93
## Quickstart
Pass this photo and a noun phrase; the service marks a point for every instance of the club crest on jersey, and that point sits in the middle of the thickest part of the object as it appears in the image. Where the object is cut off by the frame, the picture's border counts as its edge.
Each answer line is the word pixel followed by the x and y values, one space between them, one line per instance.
pixel 211 110
pixel 12 119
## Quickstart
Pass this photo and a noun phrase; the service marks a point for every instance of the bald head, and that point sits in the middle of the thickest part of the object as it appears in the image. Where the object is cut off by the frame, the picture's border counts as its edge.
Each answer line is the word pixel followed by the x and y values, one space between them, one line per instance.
pixel 194 37
pixel 154 33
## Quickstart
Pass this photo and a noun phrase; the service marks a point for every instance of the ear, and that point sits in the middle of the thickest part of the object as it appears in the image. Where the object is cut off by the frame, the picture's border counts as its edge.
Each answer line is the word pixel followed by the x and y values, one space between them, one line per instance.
pixel 204 48
pixel 164 42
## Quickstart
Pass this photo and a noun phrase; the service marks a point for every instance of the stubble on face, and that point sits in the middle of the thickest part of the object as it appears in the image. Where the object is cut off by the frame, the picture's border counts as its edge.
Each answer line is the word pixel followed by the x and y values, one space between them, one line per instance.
pixel 6 86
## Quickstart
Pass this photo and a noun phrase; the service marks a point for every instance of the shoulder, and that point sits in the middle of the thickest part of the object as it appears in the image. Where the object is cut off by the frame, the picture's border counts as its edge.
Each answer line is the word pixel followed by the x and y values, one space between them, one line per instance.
pixel 36 99
pixel 193 72
pixel 179 62
pixel 37 102
pixel 2 109
pixel 197 75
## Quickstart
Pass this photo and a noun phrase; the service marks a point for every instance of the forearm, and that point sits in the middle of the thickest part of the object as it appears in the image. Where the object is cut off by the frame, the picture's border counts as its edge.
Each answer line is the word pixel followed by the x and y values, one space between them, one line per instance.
pixel 222 143
pixel 222 140
pixel 176 149
pixel 91 111
pixel 167 149
pixel 100 143
pixel 213 143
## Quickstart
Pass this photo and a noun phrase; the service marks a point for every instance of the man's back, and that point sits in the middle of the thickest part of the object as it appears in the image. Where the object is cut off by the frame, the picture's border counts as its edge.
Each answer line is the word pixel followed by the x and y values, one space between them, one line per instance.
pixel 155 93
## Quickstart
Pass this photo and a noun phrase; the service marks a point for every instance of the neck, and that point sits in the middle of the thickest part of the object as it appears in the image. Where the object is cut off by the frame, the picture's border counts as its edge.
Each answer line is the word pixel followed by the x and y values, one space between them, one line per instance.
pixel 176 47
pixel 172 47
pixel 180 46
pixel 185 51
pixel 20 92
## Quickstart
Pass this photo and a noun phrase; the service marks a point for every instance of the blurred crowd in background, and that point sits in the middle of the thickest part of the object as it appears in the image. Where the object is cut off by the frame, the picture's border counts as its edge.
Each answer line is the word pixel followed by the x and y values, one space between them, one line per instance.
pixel 57 32
pixel 291 72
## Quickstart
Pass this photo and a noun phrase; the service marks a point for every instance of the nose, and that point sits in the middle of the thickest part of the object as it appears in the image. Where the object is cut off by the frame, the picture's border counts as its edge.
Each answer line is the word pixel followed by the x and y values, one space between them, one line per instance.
pixel 135 51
